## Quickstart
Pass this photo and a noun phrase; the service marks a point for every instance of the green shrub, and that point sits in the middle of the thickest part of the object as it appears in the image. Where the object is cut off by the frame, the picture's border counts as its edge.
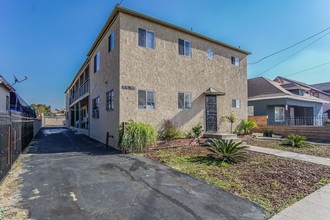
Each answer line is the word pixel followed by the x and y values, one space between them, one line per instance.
pixel 294 140
pixel 246 126
pixel 228 151
pixel 198 130
pixel 137 137
pixel 169 131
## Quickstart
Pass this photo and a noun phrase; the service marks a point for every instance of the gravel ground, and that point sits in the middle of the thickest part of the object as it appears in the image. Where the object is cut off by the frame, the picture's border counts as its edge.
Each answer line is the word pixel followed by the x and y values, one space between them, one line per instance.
pixel 273 182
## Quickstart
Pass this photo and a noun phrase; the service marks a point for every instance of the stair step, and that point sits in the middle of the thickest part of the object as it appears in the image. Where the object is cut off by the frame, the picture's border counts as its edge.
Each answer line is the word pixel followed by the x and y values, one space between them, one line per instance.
pixel 220 136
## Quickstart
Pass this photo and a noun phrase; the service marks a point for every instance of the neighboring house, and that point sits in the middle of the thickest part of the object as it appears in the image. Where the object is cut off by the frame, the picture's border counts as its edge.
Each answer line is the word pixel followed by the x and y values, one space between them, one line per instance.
pixel 17 104
pixel 283 104
pixel 11 101
pixel 144 69
pixel 325 87
pixel 294 86
pixel 5 89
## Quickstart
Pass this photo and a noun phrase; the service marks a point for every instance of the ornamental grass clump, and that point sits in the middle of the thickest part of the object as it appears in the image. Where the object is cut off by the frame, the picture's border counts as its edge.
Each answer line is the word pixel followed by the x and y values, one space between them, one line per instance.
pixel 136 137
pixel 170 131
pixel 246 126
pixel 228 151
pixel 294 140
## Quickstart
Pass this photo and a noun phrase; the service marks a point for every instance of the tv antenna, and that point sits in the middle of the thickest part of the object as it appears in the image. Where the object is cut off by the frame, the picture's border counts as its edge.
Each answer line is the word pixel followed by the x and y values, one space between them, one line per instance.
pixel 18 81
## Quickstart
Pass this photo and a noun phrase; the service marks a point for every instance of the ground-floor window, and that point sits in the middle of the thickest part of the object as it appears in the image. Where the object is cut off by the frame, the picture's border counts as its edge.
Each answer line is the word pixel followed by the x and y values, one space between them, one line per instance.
pixel 279 114
pixel 184 100
pixel 146 99
pixel 96 105
pixel 235 103
pixel 109 97
pixel 251 110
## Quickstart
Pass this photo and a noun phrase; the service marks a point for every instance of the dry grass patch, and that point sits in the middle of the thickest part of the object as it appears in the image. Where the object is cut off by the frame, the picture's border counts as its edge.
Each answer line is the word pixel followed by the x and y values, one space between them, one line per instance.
pixel 9 194
pixel 312 149
pixel 273 182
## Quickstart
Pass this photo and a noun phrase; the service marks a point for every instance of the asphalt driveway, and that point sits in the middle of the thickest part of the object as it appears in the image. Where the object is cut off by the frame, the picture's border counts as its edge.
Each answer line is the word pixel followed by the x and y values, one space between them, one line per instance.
pixel 71 176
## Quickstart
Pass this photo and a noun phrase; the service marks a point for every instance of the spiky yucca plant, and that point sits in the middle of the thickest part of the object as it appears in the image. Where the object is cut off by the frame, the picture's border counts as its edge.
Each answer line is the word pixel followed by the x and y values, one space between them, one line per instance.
pixel 294 140
pixel 228 151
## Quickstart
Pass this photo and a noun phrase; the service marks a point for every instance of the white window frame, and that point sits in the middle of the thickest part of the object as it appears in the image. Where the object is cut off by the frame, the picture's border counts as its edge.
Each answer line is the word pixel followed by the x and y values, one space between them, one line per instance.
pixel 111 41
pixel 185 95
pixel 146 38
pixel 109 99
pixel 250 110
pixel 146 106
pixel 184 47
pixel 276 116
pixel 235 103
pixel 235 60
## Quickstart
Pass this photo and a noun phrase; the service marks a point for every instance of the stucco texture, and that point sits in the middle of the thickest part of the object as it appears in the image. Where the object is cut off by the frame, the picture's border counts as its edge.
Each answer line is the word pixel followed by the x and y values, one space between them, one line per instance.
pixel 167 73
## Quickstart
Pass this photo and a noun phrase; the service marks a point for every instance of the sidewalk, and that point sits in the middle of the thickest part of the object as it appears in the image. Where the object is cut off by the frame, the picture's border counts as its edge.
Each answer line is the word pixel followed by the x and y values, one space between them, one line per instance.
pixel 315 206
pixel 292 155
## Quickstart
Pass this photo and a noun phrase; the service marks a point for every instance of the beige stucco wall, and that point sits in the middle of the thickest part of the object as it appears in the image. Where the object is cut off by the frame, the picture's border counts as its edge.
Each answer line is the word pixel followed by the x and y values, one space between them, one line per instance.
pixel 166 72
pixel 104 80
pixel 3 93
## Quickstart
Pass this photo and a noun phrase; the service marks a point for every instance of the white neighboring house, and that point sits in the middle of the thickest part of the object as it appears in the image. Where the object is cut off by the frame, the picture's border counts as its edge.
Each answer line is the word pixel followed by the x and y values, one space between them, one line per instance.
pixel 5 89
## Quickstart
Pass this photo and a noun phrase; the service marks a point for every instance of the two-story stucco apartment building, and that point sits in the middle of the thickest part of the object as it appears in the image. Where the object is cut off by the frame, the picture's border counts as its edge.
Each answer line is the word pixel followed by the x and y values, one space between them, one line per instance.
pixel 144 69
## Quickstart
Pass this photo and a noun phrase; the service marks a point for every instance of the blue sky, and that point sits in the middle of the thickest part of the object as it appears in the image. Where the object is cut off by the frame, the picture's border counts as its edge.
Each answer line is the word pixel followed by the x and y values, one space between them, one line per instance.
pixel 47 41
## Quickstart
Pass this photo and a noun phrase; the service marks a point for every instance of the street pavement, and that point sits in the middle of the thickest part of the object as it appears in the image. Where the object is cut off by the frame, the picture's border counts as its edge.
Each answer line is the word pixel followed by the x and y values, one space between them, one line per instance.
pixel 70 176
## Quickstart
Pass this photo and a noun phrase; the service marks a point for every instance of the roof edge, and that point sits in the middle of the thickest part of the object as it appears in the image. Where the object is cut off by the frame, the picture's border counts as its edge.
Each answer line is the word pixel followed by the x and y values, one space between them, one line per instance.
pixel 287 97
pixel 158 21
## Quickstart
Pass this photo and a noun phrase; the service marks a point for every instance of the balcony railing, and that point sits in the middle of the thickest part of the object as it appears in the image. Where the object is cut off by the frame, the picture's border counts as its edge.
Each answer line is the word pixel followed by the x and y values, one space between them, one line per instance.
pixel 82 90
pixel 317 120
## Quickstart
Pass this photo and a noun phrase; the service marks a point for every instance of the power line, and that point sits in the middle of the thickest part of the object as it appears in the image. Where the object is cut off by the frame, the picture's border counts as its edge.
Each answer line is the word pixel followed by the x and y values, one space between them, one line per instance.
pixel 120 2
pixel 293 54
pixel 314 67
pixel 289 46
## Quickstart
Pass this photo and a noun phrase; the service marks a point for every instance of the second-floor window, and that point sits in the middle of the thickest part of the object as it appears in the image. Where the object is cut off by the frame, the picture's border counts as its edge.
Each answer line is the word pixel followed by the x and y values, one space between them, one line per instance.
pixel 235 61
pixel 110 100
pixel 97 62
pixel 111 41
pixel 184 47
pixel 184 100
pixel 146 38
pixel 96 106
pixel 146 99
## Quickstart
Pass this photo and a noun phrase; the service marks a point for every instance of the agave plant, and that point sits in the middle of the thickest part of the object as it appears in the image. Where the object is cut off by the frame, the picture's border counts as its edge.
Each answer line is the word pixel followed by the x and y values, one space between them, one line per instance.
pixel 228 151
pixel 294 140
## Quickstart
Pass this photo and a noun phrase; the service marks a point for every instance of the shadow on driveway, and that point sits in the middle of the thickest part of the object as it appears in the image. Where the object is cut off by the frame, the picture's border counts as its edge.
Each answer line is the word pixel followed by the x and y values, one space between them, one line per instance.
pixel 74 177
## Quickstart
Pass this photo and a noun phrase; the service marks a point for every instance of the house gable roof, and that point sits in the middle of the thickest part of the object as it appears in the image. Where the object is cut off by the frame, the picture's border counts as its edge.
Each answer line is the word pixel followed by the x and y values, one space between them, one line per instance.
pixel 310 87
pixel 322 86
pixel 6 84
pixel 261 88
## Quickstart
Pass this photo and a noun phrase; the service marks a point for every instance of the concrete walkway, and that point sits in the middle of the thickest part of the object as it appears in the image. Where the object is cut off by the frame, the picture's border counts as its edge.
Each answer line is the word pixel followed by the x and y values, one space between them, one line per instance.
pixel 292 155
pixel 315 206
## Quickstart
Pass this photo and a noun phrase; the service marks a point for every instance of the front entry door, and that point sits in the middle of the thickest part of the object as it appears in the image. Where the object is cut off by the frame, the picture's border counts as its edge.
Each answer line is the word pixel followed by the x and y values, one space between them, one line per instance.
pixel 211 113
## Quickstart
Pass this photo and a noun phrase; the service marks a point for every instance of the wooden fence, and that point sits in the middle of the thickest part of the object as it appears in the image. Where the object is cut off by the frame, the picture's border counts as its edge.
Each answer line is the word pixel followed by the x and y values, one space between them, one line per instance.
pixel 317 133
